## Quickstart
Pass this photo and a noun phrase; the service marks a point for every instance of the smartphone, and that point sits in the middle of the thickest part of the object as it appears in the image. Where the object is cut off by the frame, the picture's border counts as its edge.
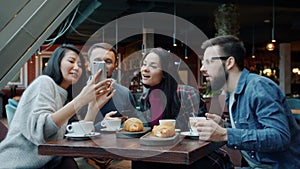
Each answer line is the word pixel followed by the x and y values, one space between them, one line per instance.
pixel 99 65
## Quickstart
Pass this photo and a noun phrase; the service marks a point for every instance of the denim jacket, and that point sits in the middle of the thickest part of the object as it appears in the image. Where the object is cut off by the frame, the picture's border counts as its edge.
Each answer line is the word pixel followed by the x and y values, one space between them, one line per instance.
pixel 265 126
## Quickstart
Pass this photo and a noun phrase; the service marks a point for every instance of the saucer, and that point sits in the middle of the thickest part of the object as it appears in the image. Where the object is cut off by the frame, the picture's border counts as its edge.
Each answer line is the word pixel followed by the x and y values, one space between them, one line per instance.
pixel 190 135
pixel 110 130
pixel 177 130
pixel 73 136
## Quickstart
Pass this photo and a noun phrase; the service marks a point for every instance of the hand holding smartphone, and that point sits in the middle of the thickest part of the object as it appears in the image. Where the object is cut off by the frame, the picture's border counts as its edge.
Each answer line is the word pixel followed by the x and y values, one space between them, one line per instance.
pixel 97 65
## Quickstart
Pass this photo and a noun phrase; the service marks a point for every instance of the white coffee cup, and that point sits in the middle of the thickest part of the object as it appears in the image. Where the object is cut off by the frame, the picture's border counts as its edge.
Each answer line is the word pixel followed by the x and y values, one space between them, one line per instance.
pixel 173 121
pixel 81 127
pixel 111 124
pixel 193 121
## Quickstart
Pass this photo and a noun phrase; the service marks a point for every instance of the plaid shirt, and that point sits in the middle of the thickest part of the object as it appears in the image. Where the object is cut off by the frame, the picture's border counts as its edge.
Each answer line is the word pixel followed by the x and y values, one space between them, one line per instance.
pixel 189 99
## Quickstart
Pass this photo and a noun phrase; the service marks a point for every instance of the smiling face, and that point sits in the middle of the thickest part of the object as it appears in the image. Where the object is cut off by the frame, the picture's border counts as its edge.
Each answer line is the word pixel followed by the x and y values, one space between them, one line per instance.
pixel 100 54
pixel 213 69
pixel 151 70
pixel 71 69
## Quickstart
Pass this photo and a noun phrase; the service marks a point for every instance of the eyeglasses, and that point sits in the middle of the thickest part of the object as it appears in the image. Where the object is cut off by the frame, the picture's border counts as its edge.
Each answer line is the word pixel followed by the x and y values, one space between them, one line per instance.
pixel 209 61
pixel 220 57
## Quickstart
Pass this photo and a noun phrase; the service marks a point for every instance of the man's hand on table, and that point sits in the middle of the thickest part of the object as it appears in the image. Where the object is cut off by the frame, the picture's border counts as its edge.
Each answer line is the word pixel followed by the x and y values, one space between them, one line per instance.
pixel 210 129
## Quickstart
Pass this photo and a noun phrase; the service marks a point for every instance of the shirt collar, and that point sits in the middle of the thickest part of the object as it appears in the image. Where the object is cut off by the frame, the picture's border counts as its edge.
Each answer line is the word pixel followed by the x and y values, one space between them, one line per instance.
pixel 241 83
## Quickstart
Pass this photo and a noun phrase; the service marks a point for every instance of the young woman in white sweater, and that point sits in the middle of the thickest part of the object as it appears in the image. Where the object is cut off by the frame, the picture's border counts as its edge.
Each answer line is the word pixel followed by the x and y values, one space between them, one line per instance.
pixel 46 106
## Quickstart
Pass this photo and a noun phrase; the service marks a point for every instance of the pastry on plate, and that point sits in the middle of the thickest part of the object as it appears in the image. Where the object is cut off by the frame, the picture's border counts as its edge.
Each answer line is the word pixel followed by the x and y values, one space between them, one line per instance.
pixel 133 125
pixel 164 130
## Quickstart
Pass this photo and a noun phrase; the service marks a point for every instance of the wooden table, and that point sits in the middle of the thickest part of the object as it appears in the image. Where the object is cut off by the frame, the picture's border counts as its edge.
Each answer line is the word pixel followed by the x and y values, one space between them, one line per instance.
pixel 186 151
pixel 295 111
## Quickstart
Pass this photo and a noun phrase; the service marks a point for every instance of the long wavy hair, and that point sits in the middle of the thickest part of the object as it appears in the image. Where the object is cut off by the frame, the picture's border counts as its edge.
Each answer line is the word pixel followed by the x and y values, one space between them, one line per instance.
pixel 169 81
pixel 53 69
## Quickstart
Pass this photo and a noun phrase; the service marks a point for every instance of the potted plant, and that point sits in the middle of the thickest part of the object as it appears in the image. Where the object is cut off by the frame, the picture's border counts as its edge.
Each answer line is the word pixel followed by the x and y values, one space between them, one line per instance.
pixel 227 20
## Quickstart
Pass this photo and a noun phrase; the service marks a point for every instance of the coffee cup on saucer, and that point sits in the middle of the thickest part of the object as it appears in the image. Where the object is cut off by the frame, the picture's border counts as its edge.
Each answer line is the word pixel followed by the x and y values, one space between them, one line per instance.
pixel 173 121
pixel 81 127
pixel 111 124
pixel 193 121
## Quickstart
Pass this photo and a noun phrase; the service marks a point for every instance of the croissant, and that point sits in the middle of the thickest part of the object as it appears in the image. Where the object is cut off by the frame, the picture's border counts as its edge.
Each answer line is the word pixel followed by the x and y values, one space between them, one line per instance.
pixel 164 130
pixel 133 125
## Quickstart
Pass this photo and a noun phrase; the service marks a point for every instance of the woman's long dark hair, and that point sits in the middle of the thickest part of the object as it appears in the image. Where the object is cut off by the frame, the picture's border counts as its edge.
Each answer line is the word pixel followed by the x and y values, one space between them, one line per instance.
pixel 169 82
pixel 53 69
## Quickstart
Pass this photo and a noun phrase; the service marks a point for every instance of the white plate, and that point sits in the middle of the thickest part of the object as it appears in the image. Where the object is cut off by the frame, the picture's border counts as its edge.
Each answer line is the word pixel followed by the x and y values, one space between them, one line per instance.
pixel 107 129
pixel 82 135
pixel 187 133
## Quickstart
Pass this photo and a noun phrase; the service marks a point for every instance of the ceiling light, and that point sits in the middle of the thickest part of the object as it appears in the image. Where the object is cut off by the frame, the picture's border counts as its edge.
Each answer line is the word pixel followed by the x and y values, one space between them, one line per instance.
pixel 116 36
pixel 267 71
pixel 174 34
pixel 270 46
pixel 253 48
pixel 186 43
pixel 295 70
pixel 174 40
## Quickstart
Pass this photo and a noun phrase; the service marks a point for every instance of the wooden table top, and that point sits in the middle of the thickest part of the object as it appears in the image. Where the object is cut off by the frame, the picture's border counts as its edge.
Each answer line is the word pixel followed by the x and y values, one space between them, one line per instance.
pixel 295 111
pixel 186 151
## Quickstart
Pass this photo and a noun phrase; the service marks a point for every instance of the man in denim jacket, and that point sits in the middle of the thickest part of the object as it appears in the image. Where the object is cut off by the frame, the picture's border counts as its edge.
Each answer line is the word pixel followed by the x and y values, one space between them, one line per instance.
pixel 262 125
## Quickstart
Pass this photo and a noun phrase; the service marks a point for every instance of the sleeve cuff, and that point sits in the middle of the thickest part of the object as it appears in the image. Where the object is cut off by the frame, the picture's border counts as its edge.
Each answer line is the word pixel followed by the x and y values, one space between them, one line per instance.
pixel 50 127
pixel 233 142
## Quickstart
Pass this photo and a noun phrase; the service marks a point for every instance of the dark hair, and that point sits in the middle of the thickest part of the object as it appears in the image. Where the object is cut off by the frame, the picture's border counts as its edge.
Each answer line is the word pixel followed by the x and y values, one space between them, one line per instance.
pixel 102 45
pixel 229 46
pixel 169 81
pixel 53 68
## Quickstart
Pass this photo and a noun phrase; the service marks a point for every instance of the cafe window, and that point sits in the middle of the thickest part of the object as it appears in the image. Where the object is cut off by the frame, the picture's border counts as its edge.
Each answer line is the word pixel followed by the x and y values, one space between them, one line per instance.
pixel 20 78
pixel 42 62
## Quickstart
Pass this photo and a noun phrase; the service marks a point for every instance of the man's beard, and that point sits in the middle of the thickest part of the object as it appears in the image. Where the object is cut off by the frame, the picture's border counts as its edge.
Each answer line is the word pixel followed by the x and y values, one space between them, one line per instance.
pixel 219 82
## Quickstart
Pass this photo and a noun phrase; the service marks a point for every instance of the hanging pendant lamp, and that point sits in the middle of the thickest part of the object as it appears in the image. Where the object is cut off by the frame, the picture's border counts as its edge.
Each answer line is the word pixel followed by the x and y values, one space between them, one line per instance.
pixel 253 47
pixel 271 46
pixel 174 33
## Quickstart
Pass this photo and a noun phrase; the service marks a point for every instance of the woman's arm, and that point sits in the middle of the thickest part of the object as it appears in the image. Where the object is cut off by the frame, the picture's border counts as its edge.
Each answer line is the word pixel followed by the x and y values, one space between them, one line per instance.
pixel 91 91
pixel 97 104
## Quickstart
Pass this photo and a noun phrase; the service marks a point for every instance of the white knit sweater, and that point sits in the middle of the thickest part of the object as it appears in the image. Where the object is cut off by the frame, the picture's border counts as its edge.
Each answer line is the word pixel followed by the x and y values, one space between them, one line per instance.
pixel 32 125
